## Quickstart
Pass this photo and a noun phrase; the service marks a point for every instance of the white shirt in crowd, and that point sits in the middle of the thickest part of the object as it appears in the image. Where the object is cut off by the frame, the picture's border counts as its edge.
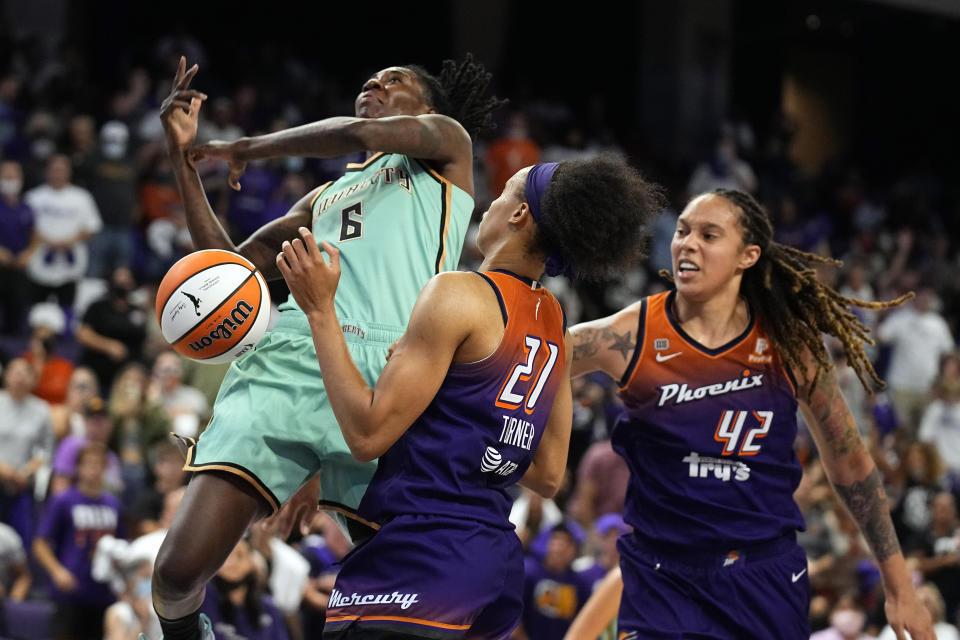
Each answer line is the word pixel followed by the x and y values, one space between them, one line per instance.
pixel 940 426
pixel 61 214
pixel 917 339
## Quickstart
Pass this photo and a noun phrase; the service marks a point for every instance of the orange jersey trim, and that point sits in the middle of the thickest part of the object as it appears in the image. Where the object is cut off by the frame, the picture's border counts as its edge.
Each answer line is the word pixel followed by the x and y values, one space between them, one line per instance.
pixel 420 621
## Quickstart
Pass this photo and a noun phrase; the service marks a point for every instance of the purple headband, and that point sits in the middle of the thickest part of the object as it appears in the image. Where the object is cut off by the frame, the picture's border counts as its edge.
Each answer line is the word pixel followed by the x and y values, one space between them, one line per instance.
pixel 538 179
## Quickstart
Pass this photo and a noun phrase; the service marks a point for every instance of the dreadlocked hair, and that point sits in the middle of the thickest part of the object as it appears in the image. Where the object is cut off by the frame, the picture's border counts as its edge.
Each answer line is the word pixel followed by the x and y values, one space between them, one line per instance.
pixel 795 308
pixel 460 92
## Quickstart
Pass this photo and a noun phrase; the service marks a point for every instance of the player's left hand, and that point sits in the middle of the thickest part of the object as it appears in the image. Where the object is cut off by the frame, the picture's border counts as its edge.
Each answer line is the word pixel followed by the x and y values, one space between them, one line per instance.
pixel 908 614
pixel 226 151
pixel 311 280
pixel 297 512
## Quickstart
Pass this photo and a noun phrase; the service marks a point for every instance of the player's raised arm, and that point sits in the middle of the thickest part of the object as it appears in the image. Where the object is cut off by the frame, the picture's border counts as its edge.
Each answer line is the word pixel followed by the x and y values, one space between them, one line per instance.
pixel 403 110
pixel 179 114
pixel 373 419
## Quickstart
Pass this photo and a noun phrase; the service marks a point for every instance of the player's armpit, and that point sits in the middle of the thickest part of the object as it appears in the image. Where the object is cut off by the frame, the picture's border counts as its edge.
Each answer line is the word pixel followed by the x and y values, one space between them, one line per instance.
pixel 606 344
pixel 262 247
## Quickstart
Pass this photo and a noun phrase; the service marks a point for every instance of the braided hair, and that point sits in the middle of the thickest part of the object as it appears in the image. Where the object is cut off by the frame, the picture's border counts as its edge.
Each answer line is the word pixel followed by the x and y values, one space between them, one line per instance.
pixel 460 92
pixel 795 308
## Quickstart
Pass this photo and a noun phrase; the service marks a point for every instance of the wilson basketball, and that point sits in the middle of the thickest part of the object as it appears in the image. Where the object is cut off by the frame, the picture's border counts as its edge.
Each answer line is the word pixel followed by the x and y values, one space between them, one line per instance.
pixel 213 306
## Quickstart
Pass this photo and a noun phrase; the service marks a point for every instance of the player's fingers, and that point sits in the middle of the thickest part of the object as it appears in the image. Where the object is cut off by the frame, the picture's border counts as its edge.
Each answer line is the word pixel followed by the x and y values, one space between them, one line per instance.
pixel 311 243
pixel 307 523
pixel 283 266
pixel 188 76
pixel 234 179
pixel 290 254
pixel 299 249
pixel 898 631
pixel 178 76
pixel 173 104
pixel 334 254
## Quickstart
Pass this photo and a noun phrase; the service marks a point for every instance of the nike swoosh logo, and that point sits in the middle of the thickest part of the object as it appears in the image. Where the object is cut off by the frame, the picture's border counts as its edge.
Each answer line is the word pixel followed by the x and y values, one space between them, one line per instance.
pixel 663 358
pixel 796 576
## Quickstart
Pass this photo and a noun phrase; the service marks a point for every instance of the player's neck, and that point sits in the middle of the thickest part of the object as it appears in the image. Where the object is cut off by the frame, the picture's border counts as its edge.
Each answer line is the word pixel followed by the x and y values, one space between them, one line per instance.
pixel 514 261
pixel 715 321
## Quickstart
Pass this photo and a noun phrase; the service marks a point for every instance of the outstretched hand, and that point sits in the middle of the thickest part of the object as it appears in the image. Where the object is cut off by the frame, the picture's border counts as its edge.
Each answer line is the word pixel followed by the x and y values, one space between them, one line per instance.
pixel 226 151
pixel 311 280
pixel 180 110
pixel 909 615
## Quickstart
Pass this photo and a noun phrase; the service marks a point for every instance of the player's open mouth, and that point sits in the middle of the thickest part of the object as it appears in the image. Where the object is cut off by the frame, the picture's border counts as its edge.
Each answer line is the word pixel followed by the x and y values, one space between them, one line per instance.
pixel 686 266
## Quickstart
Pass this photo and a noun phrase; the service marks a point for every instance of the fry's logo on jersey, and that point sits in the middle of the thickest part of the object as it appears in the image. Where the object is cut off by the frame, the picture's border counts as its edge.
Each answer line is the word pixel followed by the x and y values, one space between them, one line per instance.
pixel 702 466
pixel 683 393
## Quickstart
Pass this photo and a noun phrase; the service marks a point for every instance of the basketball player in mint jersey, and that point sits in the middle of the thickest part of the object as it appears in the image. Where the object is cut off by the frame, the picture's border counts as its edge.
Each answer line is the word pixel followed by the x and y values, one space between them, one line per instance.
pixel 711 375
pixel 475 397
pixel 399 218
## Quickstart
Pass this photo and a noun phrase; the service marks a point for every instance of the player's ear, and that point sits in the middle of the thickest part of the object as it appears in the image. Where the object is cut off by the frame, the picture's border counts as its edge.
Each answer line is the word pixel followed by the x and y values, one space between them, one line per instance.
pixel 749 256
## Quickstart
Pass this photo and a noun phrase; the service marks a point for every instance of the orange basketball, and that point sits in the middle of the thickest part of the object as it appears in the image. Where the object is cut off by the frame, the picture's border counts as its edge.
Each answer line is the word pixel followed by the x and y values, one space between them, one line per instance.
pixel 213 306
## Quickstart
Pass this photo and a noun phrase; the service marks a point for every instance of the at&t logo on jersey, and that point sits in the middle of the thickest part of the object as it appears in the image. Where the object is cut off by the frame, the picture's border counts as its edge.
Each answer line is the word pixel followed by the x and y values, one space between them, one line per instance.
pixel 491 462
pixel 681 393
pixel 719 468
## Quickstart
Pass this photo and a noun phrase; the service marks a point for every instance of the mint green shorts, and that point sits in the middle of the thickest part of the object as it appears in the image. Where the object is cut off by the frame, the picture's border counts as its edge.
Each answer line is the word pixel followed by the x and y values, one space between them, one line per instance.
pixel 272 423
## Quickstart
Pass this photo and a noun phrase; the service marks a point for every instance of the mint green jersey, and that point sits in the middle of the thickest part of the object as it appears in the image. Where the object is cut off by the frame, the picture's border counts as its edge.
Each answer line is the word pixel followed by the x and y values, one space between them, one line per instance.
pixel 397 223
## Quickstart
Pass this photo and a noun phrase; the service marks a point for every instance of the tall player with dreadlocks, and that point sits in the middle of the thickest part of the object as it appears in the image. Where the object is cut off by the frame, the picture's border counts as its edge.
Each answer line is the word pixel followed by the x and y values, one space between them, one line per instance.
pixel 398 218
pixel 711 374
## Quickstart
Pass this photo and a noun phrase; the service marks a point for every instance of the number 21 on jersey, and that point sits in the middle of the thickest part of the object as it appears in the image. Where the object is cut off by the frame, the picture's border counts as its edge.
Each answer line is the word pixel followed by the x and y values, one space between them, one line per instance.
pixel 521 374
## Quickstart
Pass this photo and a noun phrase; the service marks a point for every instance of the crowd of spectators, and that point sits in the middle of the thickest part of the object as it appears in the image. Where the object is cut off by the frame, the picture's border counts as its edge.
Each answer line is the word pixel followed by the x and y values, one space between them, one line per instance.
pixel 90 220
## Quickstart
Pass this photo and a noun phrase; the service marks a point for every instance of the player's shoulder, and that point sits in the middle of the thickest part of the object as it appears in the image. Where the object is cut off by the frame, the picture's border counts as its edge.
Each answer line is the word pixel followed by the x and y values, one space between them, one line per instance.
pixel 455 289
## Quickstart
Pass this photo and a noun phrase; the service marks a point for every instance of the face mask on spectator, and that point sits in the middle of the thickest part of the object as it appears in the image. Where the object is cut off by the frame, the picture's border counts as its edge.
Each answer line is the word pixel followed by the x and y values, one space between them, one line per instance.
pixel 848 621
pixel 42 148
pixel 11 187
pixel 114 150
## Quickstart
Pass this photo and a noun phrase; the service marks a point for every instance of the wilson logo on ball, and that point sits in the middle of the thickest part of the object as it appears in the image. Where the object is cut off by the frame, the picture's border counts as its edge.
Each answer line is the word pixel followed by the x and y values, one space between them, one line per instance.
pixel 209 306
pixel 226 328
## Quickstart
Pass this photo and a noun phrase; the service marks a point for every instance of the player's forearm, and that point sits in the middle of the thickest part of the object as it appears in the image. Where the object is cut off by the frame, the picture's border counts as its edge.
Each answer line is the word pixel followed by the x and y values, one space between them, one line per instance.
pixel 859 484
pixel 326 138
pixel 205 230
pixel 350 397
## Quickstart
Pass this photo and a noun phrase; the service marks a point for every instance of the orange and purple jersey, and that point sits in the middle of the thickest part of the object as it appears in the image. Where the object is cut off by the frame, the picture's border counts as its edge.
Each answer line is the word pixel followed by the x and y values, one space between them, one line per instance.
pixel 479 434
pixel 708 435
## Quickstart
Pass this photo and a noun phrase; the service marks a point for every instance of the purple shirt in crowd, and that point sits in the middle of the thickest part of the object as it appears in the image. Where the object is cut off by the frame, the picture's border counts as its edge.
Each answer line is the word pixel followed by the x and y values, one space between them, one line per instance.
pixel 65 463
pixel 72 524
pixel 16 225
pixel 231 622
pixel 551 601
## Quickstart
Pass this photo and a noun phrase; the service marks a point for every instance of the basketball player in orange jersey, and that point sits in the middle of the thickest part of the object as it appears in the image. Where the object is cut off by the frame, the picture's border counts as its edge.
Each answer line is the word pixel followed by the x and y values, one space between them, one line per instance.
pixel 711 375
pixel 475 398
pixel 399 218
